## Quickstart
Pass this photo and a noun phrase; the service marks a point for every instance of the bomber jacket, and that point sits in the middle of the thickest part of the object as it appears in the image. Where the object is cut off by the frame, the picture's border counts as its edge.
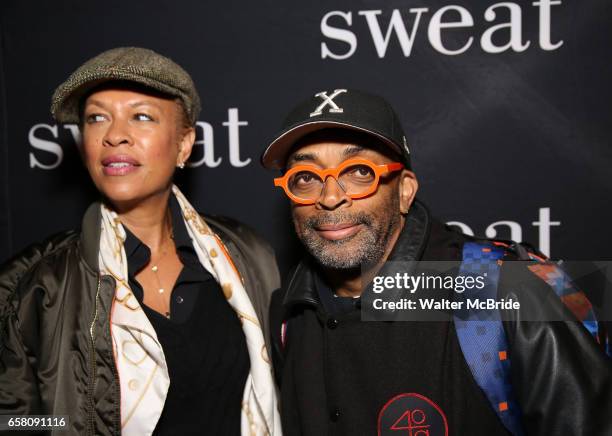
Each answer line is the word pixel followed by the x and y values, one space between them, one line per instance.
pixel 56 352
pixel 337 372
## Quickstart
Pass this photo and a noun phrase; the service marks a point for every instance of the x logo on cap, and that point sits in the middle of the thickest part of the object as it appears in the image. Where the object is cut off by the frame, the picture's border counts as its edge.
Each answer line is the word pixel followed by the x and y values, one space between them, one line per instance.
pixel 328 101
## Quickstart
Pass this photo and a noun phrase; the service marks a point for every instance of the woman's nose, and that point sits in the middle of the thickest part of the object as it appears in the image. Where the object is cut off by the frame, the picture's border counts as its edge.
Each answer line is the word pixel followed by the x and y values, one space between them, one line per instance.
pixel 117 134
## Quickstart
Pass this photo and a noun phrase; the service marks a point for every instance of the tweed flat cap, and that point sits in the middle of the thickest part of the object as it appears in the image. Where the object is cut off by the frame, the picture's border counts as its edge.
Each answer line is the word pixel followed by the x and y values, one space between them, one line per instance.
pixel 131 64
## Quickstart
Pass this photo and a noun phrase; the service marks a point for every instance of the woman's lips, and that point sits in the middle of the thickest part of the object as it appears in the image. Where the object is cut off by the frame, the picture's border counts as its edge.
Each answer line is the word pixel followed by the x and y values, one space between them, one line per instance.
pixel 337 231
pixel 119 169
pixel 119 165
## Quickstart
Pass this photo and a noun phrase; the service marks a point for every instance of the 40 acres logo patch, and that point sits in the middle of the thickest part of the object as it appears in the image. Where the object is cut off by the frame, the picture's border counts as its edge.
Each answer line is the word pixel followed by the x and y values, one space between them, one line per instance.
pixel 411 415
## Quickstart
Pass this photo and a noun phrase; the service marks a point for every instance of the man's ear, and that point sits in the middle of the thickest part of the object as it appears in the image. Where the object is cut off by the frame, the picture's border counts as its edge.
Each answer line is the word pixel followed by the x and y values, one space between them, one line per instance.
pixel 186 145
pixel 408 187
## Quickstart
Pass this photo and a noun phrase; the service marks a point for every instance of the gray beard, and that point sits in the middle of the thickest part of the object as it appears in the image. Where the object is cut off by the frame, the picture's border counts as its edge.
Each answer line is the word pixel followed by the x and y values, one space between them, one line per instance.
pixel 366 247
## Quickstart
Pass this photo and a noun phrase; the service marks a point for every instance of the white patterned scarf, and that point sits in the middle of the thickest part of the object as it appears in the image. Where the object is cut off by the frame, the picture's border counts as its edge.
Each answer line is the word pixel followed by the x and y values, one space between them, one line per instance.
pixel 140 360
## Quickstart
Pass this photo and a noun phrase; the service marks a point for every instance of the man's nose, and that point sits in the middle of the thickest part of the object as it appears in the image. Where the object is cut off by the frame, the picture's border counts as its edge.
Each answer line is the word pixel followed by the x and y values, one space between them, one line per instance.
pixel 332 195
pixel 117 134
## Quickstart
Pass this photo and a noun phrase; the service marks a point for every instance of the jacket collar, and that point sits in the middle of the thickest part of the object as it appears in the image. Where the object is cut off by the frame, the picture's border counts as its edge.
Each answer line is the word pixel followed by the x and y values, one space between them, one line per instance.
pixel 413 238
pixel 90 235
pixel 409 246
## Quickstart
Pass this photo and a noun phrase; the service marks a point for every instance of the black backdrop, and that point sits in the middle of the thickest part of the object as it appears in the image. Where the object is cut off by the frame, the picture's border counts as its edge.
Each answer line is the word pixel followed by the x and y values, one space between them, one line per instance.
pixel 497 134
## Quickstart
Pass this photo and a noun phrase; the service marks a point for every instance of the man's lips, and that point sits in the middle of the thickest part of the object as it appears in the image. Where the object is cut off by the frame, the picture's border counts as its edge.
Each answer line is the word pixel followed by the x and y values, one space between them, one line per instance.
pixel 335 232
pixel 119 165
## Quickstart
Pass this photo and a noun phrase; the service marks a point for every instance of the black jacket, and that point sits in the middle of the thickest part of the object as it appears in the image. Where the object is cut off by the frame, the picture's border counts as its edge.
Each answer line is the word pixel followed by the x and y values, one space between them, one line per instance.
pixel 56 353
pixel 337 372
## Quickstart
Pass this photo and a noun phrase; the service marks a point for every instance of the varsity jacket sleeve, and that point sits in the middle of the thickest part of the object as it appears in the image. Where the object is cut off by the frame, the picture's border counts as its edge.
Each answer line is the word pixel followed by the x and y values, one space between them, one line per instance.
pixel 560 375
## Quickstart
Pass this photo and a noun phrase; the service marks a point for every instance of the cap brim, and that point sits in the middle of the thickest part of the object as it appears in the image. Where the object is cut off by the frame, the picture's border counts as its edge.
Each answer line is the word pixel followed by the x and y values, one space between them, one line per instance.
pixel 275 156
pixel 65 108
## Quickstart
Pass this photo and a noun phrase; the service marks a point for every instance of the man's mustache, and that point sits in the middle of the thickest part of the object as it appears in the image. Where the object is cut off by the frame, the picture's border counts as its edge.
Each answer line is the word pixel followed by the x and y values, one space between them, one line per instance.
pixel 333 218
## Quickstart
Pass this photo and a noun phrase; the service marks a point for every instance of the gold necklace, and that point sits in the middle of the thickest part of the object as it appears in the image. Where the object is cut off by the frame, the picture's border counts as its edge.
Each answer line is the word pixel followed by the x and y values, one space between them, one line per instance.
pixel 155 267
pixel 155 270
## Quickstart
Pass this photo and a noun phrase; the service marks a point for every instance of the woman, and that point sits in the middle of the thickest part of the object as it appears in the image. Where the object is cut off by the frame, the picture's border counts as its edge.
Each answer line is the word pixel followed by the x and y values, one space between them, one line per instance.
pixel 130 327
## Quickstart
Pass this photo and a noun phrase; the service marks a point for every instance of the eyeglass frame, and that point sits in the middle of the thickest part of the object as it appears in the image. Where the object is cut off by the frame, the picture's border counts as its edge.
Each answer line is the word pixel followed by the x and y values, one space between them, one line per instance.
pixel 323 174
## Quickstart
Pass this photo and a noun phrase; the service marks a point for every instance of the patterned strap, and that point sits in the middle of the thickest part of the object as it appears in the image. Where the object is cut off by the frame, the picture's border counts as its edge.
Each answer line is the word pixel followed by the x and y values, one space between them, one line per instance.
pixel 484 342
pixel 571 296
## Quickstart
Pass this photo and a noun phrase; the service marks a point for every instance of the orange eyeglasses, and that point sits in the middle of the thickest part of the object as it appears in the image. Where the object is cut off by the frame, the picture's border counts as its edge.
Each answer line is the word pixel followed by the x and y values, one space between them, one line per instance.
pixel 357 177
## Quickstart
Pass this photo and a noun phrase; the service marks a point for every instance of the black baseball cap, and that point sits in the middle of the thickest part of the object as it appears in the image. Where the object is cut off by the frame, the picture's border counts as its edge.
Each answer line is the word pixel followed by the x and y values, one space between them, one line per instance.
pixel 338 108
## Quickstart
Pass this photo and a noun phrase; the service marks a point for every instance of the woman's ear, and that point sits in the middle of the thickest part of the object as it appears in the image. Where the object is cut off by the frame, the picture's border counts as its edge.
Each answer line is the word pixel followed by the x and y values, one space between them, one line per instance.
pixel 408 187
pixel 186 145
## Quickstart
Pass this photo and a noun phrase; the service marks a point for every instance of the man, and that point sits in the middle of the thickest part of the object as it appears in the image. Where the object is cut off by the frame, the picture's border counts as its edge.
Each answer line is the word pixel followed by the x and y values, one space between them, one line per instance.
pixel 347 172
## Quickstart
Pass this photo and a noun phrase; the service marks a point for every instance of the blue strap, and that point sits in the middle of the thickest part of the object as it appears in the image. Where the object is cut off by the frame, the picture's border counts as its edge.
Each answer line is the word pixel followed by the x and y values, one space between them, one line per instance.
pixel 575 300
pixel 484 342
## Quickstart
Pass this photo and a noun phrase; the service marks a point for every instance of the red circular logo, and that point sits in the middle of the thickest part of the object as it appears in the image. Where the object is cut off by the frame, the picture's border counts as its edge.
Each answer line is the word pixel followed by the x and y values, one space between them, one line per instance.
pixel 411 415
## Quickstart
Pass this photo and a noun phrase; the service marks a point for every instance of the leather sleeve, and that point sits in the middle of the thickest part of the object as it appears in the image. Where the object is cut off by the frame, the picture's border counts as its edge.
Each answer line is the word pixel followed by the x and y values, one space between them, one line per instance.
pixel 20 302
pixel 276 321
pixel 562 379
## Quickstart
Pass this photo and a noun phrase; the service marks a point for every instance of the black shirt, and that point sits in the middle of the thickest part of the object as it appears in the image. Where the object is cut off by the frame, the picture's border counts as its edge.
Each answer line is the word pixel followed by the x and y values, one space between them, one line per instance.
pixel 203 343
pixel 333 303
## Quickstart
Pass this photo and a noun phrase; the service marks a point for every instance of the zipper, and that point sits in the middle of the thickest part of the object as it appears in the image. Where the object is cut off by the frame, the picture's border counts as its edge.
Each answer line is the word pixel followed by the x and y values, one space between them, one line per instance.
pixel 92 363
pixel 115 369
